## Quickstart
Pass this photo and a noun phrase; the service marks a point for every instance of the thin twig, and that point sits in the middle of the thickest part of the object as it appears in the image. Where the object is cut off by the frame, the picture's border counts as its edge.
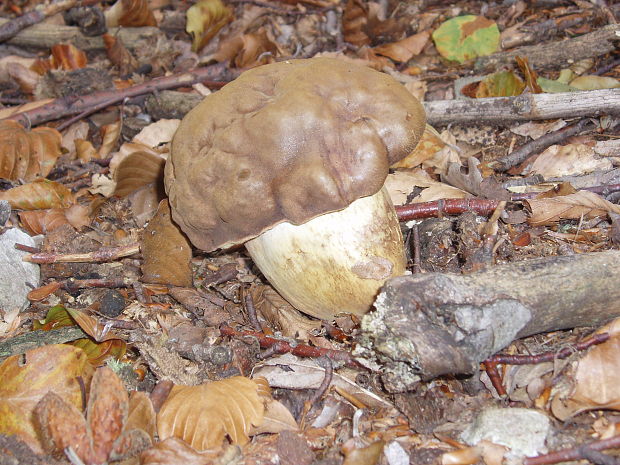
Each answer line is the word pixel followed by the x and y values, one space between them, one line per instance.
pixel 326 364
pixel 574 453
pixel 104 254
pixel 251 309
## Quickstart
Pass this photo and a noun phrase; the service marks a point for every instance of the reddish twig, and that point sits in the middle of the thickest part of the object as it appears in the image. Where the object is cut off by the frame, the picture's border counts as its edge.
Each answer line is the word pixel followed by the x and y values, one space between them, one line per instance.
pixel 78 104
pixel 437 208
pixel 574 453
pixel 104 254
pixel 281 346
pixel 490 365
pixel 326 364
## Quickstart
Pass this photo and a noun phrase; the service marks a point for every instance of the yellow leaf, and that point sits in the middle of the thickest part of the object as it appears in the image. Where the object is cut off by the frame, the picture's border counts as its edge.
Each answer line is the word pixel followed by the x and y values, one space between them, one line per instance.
pixel 204 20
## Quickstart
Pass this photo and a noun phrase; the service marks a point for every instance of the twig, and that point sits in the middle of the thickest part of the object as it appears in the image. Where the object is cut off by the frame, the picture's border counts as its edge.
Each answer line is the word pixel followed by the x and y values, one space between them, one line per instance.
pixel 417 267
pixel 33 339
pixel 282 347
pixel 436 208
pixel 507 110
pixel 540 144
pixel 104 254
pixel 252 316
pixel 491 363
pixel 326 364
pixel 574 453
pixel 77 104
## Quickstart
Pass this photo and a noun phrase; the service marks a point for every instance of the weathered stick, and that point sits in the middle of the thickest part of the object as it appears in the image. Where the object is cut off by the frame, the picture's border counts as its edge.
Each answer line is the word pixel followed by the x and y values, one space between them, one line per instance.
pixel 434 324
pixel 557 54
pixel 526 107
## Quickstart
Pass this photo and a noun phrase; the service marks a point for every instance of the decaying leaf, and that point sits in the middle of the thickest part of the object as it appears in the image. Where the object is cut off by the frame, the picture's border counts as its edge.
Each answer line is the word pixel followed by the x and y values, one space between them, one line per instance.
pixel 247 50
pixel 573 206
pixel 500 84
pixel 166 251
pixel 130 13
pixel 430 143
pixel 466 37
pixel 593 82
pixel 110 133
pixel 51 368
pixel 401 184
pixel 119 55
pixel 173 450
pixel 403 50
pixel 67 57
pixel 42 221
pixel 566 160
pixel 203 415
pixel 366 455
pixel 39 195
pixel 27 154
pixel 282 315
pixel 354 21
pixel 102 436
pixel 138 169
pixel 594 384
pixel 205 19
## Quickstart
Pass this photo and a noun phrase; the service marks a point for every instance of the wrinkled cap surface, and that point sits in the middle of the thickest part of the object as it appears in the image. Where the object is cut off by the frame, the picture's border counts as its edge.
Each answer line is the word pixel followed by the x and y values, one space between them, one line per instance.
pixel 287 141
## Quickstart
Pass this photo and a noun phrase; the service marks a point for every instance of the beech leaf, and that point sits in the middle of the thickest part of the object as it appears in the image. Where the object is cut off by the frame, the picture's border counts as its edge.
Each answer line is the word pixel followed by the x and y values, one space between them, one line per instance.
pixel 466 37
pixel 39 195
pixel 203 415
pixel 573 206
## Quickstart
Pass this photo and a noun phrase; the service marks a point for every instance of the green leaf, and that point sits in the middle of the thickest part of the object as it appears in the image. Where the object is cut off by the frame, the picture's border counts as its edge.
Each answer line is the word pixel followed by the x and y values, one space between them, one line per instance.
pixel 501 84
pixel 553 87
pixel 466 37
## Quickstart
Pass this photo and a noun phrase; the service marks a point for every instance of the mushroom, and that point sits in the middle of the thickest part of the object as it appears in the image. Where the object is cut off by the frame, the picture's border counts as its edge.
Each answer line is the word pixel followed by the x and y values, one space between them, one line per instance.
pixel 290 160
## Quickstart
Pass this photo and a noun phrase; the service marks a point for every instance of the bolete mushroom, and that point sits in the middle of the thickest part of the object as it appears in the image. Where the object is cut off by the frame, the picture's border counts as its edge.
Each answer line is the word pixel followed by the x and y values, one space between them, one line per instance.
pixel 290 159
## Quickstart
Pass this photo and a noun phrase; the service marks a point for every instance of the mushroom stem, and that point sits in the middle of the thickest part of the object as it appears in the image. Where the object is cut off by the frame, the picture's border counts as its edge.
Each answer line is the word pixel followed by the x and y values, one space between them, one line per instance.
pixel 336 262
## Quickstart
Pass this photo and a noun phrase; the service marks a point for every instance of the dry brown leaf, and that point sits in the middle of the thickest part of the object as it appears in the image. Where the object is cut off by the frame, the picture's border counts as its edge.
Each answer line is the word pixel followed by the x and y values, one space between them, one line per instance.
pixel 173 451
pixel 144 202
pixel 247 50
pixel 119 55
pixel 157 133
pixel 401 184
pixel 405 49
pixel 130 13
pixel 11 111
pixel 354 21
pixel 277 419
pixel 27 154
pixel 203 415
pixel 141 414
pixel 166 251
pixel 85 150
pixel 281 315
pixel 574 206
pixel 41 221
pixel 595 380
pixel 110 133
pixel 368 455
pixel 137 170
pixel 6 61
pixel 204 21
pixel 430 143
pixel 38 195
pixel 568 160
pixel 51 368
pixel 26 78
pixel 67 57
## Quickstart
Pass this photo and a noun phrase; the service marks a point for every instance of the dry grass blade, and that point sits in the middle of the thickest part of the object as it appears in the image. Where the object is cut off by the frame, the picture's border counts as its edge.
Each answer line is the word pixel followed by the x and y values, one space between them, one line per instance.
pixel 203 415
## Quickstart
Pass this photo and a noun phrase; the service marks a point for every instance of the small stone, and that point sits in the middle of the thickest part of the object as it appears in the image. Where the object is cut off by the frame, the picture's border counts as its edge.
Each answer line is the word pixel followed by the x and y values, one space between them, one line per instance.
pixel 523 431
pixel 17 277
pixel 112 304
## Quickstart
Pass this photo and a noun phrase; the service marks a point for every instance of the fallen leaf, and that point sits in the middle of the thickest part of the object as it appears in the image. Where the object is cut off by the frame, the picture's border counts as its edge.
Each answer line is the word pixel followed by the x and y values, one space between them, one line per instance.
pixel 594 384
pixel 501 84
pixel 247 50
pixel 173 451
pixel 203 415
pixel 430 143
pixel 51 368
pixel 27 154
pixel 593 82
pixel 130 13
pixel 403 50
pixel 574 206
pixel 110 133
pixel 137 170
pixel 166 251
pixel 67 57
pixel 38 195
pixel 354 22
pixel 568 160
pixel 368 455
pixel 466 37
pixel 119 55
pixel 401 184
pixel 204 20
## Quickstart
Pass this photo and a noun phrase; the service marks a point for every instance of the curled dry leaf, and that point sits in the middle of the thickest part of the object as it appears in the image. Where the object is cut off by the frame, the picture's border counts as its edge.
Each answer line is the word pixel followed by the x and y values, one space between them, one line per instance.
pixel 52 368
pixel 567 160
pixel 119 55
pixel 368 455
pixel 110 134
pixel 574 206
pixel 67 57
pixel 204 21
pixel 166 251
pixel 39 195
pixel 405 49
pixel 401 184
pixel 247 50
pixel 137 170
pixel 430 143
pixel 130 13
pixel 27 154
pixel 173 451
pixel 354 21
pixel 43 221
pixel 203 415
pixel 281 315
pixel 594 384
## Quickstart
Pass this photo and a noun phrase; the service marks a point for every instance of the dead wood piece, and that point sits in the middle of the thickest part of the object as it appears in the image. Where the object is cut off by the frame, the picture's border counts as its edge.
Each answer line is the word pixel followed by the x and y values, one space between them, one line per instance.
pixel 43 36
pixel 435 324
pixel 526 107
pixel 557 54
pixel 28 341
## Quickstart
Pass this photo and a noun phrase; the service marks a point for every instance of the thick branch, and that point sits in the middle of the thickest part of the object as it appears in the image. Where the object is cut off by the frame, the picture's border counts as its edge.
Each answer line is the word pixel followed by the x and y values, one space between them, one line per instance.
pixel 526 107
pixel 433 324
pixel 557 54
pixel 73 105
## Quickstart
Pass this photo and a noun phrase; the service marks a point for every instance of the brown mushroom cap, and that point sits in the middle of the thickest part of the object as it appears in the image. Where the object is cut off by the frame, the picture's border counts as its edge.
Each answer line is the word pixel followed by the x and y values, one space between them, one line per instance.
pixel 287 141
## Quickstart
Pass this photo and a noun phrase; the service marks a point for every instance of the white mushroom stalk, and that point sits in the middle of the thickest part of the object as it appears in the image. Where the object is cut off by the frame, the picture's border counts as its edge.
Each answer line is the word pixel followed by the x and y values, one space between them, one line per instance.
pixel 336 262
